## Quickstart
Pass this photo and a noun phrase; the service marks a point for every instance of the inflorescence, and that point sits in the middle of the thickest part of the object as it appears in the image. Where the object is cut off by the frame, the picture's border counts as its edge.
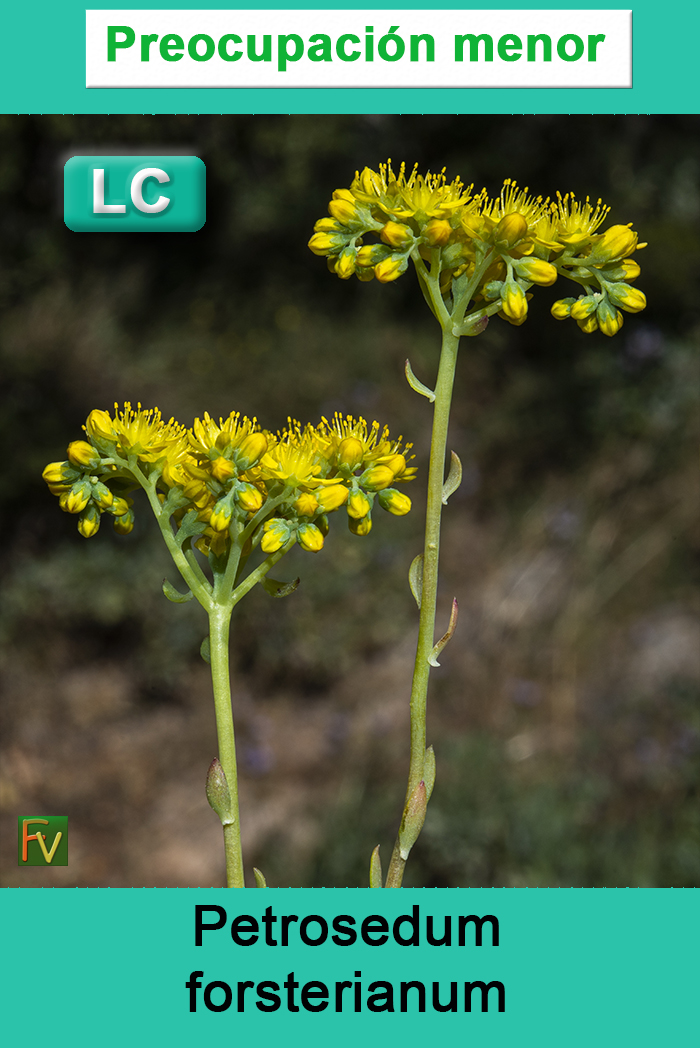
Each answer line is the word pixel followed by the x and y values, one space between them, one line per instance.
pixel 528 240
pixel 231 480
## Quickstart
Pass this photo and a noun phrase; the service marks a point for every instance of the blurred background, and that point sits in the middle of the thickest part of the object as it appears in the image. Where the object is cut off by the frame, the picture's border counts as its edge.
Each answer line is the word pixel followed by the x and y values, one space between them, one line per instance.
pixel 566 713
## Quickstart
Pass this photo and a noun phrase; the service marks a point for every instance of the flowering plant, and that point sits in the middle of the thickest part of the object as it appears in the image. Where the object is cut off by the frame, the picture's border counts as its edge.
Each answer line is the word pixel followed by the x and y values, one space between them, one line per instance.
pixel 231 491
pixel 475 256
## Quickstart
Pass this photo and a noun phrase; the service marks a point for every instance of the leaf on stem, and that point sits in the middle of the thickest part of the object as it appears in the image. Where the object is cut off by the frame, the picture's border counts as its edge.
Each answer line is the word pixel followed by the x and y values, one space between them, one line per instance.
pixel 205 651
pixel 415 578
pixel 433 657
pixel 413 819
pixel 375 870
pixel 454 478
pixel 218 793
pixel 260 881
pixel 174 595
pixel 416 384
pixel 279 589
pixel 429 772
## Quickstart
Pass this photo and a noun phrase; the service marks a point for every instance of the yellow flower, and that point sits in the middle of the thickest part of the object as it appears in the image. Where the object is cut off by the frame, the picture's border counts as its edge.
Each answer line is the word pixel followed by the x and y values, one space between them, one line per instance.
pixel 141 432
pixel 569 223
pixel 404 197
pixel 297 458
pixel 505 219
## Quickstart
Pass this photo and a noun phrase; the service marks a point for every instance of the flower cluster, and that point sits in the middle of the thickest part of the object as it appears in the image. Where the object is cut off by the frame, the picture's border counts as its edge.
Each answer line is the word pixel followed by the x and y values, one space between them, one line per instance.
pixel 511 241
pixel 231 481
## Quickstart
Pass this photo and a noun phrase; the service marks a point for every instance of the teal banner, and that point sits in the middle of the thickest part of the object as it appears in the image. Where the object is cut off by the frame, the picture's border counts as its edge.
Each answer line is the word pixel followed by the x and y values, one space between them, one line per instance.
pixel 44 70
pixel 483 966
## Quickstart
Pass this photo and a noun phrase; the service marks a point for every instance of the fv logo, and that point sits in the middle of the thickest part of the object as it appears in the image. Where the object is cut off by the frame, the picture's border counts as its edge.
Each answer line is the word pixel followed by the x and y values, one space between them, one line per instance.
pixel 42 840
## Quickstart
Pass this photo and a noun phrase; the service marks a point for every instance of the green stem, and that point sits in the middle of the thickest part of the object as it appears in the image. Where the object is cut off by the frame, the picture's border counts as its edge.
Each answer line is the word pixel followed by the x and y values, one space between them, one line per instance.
pixel 219 623
pixel 431 553
pixel 451 325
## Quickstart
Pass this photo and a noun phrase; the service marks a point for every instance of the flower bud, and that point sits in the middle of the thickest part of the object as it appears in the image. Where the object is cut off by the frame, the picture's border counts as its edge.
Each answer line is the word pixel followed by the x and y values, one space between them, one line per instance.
pixel 83 455
pixel 493 290
pixel 99 424
pixel 631 299
pixel 396 463
pixel 196 491
pixel 536 271
pixel 222 470
pixel 377 477
pixel 343 210
pixel 589 325
pixel 58 473
pixel 562 309
pixel 345 266
pixel 609 319
pixel 119 507
pixel 327 225
pixel 514 302
pixel 616 242
pixel 124 525
pixel 306 505
pixel 358 505
pixel 250 451
pixel 584 307
pixel 360 527
pixel 310 538
pixel 222 513
pixel 394 501
pixel 350 452
pixel 370 254
pixel 75 500
pixel 395 234
pixel 102 495
pixel 248 497
pixel 89 522
pixel 437 232
pixel 276 534
pixel 510 229
pixel 325 243
pixel 631 269
pixel 389 269
pixel 331 497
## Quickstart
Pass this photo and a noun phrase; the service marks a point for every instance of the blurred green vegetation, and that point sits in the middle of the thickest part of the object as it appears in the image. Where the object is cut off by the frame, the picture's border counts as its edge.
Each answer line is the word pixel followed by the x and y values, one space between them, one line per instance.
pixel 565 716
